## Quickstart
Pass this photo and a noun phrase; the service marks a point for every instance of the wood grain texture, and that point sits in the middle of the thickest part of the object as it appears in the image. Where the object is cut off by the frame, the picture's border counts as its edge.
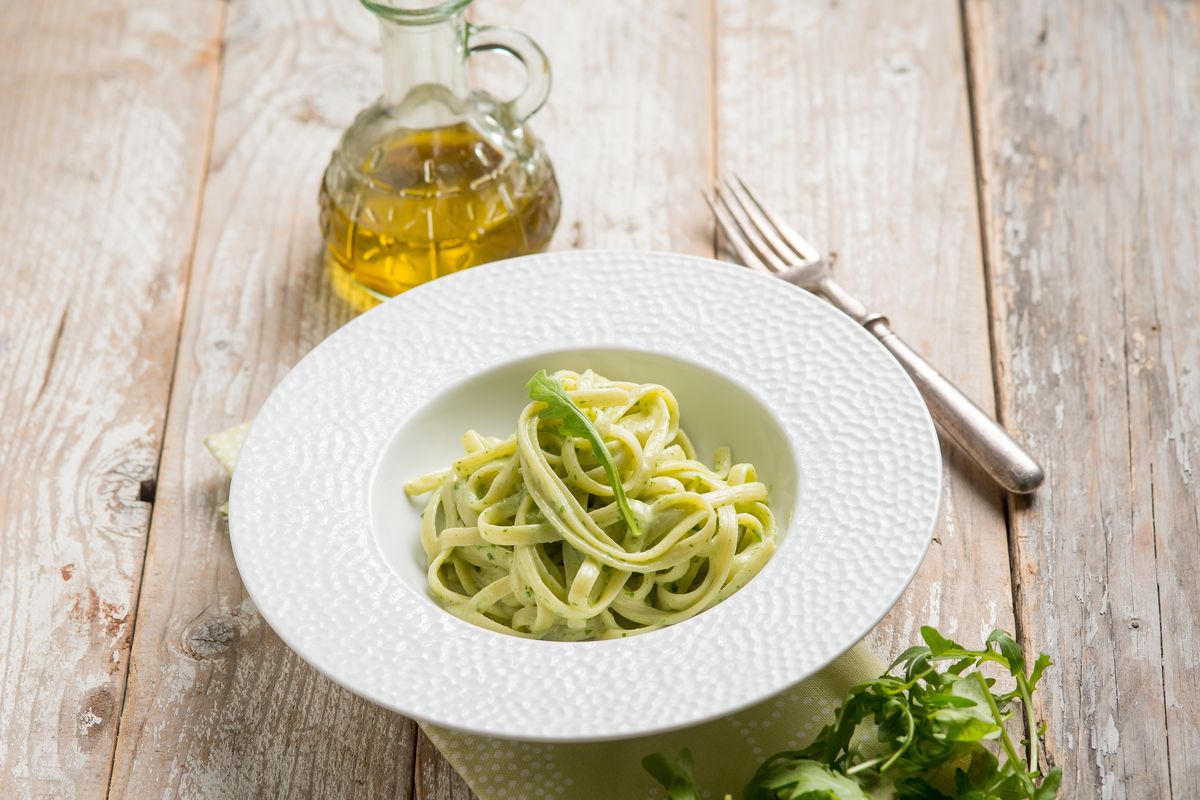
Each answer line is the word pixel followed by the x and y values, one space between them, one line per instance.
pixel 629 128
pixel 97 216
pixel 217 706
pixel 629 120
pixel 851 118
pixel 1088 120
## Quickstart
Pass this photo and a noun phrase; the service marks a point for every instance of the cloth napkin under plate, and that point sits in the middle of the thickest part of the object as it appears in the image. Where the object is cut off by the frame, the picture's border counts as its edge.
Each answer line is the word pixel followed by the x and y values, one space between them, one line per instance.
pixel 726 751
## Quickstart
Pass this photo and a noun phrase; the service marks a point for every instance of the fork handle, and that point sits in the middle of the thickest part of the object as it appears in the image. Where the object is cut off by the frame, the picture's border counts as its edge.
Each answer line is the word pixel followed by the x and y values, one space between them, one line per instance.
pixel 980 436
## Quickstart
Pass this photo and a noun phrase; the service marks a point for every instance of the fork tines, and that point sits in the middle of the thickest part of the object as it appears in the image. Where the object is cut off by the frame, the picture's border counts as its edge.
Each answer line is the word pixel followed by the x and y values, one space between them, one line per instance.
pixel 761 239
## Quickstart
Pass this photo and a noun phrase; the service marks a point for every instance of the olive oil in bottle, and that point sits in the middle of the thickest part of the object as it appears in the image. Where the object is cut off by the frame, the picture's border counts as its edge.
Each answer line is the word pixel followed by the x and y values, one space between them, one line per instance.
pixel 436 176
pixel 424 203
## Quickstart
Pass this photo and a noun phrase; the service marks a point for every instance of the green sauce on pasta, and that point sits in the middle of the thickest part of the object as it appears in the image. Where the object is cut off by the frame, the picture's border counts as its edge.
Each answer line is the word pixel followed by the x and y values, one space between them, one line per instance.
pixel 523 535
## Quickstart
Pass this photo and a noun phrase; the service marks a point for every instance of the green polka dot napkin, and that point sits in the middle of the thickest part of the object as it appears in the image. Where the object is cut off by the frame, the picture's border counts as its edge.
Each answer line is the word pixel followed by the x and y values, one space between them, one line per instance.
pixel 727 751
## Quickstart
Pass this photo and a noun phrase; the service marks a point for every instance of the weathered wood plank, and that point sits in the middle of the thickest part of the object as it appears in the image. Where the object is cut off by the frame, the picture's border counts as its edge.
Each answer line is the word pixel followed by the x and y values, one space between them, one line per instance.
pixel 107 111
pixel 217 706
pixel 629 127
pixel 1089 128
pixel 629 121
pixel 852 119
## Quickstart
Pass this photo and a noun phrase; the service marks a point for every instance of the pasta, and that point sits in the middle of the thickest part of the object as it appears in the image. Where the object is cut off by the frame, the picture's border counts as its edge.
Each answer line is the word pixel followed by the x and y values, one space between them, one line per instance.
pixel 525 535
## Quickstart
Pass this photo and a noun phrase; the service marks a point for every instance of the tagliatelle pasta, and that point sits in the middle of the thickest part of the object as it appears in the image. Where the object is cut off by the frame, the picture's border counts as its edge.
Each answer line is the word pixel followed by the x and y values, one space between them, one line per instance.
pixel 524 535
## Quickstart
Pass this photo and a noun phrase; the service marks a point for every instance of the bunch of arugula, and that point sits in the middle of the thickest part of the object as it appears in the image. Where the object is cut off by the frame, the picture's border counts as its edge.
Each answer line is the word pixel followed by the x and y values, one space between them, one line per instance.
pixel 930 742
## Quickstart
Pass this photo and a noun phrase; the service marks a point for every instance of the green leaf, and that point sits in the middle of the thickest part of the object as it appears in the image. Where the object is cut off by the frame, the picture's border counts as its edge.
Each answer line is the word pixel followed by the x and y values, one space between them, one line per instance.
pixel 983 769
pixel 971 719
pixel 1009 649
pixel 675 774
pixel 959 726
pixel 910 655
pixel 1049 788
pixel 1039 666
pixel 545 389
pixel 958 666
pixel 801 779
pixel 937 643
pixel 929 735
pixel 945 699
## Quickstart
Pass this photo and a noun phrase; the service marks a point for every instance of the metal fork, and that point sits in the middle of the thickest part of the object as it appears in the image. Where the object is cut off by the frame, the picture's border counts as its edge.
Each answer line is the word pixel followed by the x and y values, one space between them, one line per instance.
pixel 765 242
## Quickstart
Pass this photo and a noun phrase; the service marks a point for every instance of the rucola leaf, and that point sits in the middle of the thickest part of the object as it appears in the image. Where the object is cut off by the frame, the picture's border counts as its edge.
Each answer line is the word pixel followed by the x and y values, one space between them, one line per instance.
pixel 937 643
pixel 1009 649
pixel 675 774
pixel 927 726
pixel 545 389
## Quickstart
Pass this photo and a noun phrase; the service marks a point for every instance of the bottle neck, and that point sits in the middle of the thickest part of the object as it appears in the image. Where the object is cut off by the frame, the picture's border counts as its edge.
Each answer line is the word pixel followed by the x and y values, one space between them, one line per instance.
pixel 424 67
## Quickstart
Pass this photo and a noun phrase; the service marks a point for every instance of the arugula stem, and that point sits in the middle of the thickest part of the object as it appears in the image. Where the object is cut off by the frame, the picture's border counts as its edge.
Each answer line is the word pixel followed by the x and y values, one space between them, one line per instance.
pixel 908 738
pixel 1030 722
pixel 859 767
pixel 1005 740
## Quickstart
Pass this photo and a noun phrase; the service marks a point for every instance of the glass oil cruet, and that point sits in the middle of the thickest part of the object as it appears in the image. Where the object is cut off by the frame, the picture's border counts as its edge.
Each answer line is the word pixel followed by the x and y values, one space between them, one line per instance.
pixel 434 178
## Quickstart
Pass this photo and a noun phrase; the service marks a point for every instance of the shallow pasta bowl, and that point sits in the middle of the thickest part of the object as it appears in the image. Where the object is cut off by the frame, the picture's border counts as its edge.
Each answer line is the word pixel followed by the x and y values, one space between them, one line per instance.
pixel 326 541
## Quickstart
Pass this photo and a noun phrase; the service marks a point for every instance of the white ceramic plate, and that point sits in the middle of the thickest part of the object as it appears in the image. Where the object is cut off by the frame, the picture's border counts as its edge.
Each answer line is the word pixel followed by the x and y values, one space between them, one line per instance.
pixel 326 541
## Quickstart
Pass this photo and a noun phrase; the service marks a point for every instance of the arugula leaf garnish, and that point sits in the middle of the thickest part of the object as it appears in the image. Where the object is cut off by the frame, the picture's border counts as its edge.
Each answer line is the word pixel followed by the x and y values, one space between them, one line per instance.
pixel 675 774
pixel 783 775
pixel 938 733
pixel 545 389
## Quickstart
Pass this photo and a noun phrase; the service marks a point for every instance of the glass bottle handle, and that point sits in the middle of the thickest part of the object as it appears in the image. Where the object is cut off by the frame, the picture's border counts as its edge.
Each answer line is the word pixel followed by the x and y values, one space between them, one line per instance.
pixel 488 38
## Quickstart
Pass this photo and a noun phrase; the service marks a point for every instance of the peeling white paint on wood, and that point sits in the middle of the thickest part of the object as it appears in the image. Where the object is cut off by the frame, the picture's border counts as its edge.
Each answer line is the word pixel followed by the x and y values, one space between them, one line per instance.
pixel 216 705
pixel 96 216
pixel 1091 194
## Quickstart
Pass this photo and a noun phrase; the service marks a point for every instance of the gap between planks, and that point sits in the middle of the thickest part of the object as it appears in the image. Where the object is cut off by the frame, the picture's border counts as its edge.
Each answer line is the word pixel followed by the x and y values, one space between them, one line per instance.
pixel 1019 721
pixel 146 489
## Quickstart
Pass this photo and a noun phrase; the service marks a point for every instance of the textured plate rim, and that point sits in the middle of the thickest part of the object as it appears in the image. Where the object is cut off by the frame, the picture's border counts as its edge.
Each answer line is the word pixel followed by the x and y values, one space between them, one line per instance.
pixel 274 611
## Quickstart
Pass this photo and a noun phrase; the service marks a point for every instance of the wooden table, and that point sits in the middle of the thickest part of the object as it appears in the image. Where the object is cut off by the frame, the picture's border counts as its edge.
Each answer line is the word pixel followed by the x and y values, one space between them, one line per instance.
pixel 1017 183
